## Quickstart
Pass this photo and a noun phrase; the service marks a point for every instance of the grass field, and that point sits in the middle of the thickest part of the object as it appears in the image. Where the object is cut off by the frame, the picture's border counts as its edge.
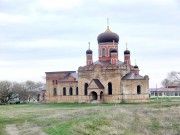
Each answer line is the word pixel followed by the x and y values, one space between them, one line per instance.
pixel 159 117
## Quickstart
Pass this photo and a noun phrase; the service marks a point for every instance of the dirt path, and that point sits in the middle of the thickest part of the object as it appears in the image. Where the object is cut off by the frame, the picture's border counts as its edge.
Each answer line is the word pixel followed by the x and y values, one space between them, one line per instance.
pixel 24 129
pixel 12 129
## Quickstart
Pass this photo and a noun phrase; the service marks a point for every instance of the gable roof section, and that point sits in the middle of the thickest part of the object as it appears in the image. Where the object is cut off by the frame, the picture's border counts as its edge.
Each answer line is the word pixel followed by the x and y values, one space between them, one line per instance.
pixel 60 72
pixel 69 75
pixel 105 63
pixel 95 84
pixel 57 75
pixel 132 76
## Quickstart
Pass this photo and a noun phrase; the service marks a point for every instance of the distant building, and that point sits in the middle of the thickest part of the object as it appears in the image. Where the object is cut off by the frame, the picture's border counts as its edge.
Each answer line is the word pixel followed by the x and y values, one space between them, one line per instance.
pixel 171 91
pixel 41 93
pixel 107 80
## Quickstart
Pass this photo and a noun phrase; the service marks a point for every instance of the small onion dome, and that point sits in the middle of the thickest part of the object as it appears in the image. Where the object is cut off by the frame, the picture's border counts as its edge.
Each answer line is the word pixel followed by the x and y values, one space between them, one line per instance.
pixel 89 51
pixel 113 50
pixel 108 36
pixel 126 52
pixel 136 67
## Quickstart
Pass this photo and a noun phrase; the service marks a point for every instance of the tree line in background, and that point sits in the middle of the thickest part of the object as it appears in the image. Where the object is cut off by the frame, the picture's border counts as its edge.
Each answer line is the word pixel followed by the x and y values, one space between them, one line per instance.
pixel 24 91
pixel 172 79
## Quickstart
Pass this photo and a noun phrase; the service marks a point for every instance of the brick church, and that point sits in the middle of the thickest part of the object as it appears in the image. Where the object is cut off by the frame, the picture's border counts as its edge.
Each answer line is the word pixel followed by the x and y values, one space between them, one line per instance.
pixel 107 80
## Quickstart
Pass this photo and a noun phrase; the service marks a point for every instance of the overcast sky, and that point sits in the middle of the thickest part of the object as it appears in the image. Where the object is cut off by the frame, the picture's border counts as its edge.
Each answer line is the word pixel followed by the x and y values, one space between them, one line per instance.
pixel 38 36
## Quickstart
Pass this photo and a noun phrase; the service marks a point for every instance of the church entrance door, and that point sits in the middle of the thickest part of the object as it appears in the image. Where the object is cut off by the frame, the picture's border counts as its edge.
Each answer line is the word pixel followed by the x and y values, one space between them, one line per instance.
pixel 93 95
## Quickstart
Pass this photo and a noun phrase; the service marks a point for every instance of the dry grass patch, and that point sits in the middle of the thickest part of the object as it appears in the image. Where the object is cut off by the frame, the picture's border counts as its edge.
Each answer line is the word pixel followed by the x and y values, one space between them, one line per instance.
pixel 120 119
pixel 24 129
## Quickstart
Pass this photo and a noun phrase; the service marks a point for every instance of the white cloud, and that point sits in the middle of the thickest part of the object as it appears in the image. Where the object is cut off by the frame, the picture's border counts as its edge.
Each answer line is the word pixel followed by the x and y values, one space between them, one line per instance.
pixel 48 35
pixel 148 2
pixel 8 18
pixel 48 43
pixel 55 5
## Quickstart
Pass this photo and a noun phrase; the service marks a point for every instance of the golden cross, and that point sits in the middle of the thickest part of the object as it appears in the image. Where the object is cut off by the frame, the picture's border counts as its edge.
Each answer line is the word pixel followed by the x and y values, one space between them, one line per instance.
pixel 89 44
pixel 107 22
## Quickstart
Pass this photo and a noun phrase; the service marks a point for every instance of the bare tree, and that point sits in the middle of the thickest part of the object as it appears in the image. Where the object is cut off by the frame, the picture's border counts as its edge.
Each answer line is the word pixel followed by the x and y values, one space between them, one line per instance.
pixel 29 87
pixel 5 91
pixel 166 82
pixel 38 84
pixel 20 90
pixel 25 91
pixel 173 78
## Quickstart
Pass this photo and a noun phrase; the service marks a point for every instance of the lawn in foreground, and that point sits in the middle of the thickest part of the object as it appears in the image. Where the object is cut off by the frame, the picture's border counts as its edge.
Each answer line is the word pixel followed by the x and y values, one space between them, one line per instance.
pixel 157 117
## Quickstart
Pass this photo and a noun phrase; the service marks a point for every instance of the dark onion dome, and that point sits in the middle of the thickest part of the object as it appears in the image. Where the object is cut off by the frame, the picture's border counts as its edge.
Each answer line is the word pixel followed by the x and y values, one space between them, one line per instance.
pixel 113 51
pixel 89 51
pixel 136 67
pixel 108 36
pixel 126 52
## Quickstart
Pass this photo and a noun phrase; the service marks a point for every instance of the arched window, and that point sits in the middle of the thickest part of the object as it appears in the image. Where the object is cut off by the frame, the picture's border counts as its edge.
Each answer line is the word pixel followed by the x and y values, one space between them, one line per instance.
pixel 55 92
pixel 101 95
pixel 138 89
pixel 38 97
pixel 85 89
pixel 110 51
pixel 77 91
pixel 64 91
pixel 109 88
pixel 103 52
pixel 70 91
